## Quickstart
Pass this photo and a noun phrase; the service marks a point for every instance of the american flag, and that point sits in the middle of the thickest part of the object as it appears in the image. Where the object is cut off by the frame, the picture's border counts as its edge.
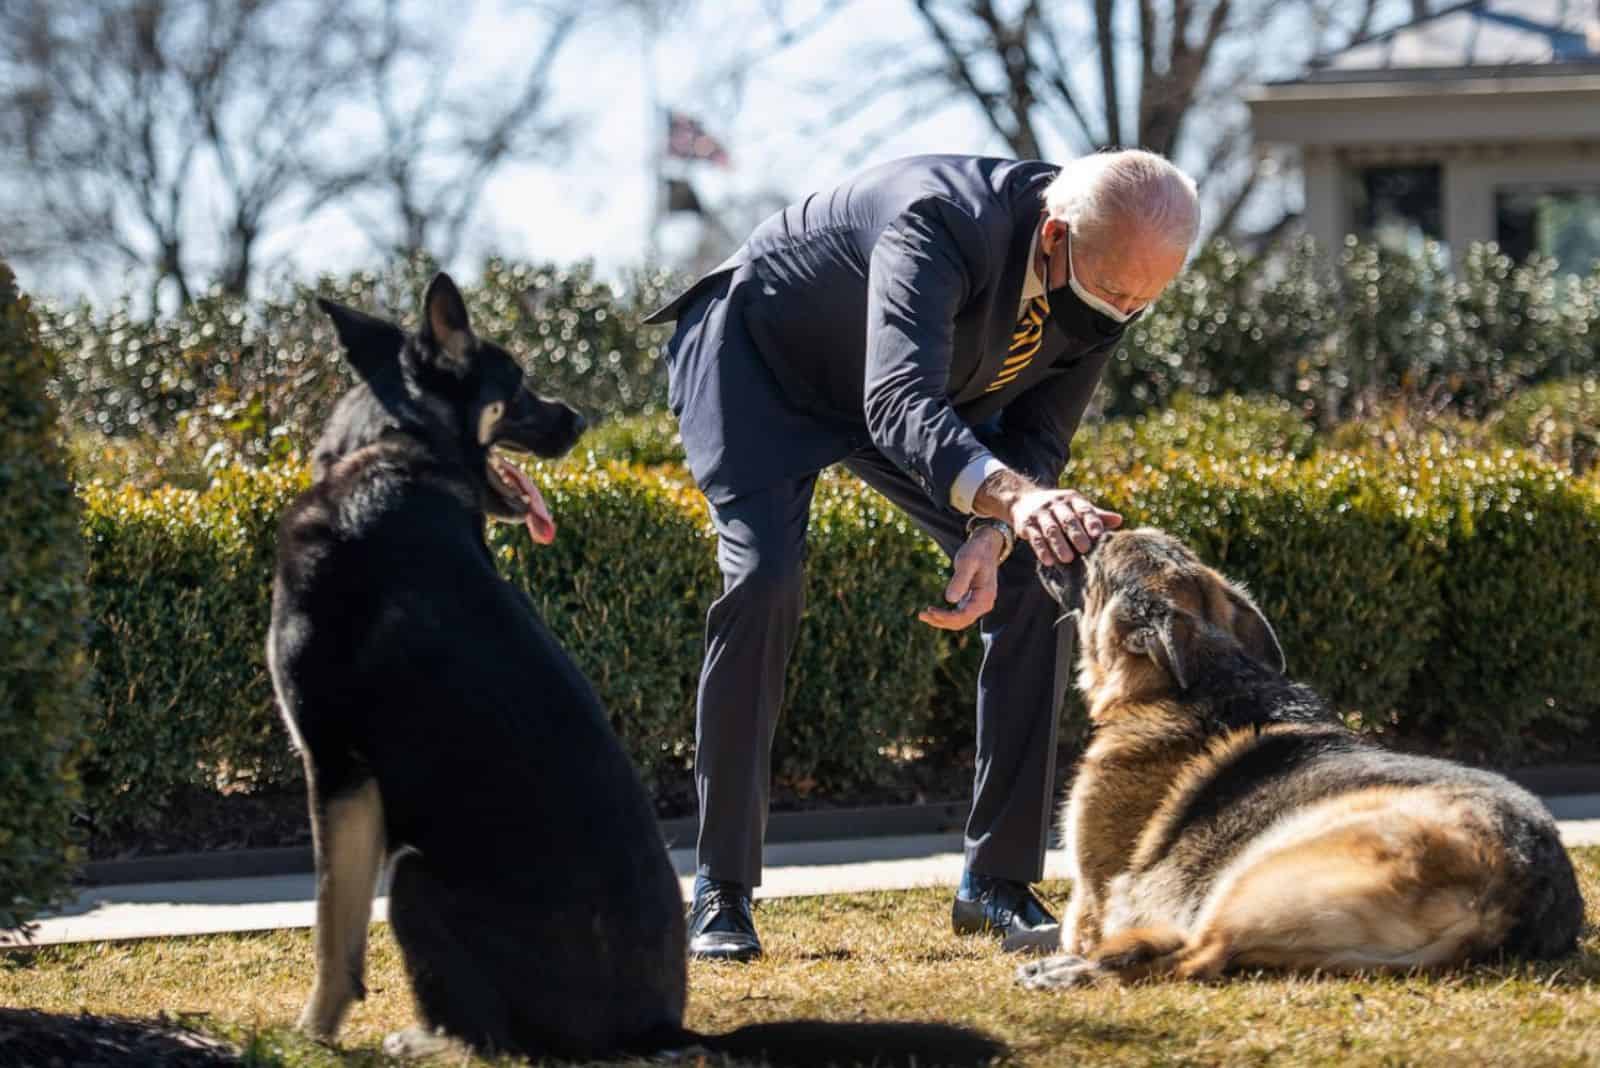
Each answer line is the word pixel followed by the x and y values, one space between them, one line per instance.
pixel 687 139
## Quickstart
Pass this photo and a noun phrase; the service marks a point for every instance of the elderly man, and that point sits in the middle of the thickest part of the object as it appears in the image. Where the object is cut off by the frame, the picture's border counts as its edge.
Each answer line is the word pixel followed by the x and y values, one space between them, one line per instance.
pixel 937 325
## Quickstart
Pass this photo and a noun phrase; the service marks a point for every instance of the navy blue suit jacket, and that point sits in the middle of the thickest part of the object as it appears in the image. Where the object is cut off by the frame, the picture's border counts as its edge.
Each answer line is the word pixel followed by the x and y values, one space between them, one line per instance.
pixel 888 304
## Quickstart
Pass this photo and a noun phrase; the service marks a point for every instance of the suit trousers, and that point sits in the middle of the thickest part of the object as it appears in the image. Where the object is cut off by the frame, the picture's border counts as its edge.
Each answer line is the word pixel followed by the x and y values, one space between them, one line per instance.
pixel 750 633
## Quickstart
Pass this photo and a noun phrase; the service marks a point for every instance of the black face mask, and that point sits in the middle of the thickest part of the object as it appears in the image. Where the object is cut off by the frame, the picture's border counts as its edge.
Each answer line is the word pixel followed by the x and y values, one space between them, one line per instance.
pixel 1080 322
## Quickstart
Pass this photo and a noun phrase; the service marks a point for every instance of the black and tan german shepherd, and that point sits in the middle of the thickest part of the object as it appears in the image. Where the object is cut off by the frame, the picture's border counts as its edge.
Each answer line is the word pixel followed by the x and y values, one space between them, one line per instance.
pixel 1222 818
pixel 443 726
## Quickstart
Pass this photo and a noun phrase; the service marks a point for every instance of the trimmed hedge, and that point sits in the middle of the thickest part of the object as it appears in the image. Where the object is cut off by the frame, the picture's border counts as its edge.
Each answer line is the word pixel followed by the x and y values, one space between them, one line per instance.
pixel 1445 598
pixel 44 691
pixel 181 586
pixel 182 581
pixel 1515 663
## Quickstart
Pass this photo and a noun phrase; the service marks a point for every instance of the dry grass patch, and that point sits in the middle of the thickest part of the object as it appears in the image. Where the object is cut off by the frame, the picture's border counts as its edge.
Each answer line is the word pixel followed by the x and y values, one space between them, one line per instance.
pixel 891 955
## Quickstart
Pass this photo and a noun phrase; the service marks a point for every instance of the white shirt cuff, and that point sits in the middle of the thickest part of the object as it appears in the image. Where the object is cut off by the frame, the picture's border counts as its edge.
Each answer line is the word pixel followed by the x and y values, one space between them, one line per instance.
pixel 965 487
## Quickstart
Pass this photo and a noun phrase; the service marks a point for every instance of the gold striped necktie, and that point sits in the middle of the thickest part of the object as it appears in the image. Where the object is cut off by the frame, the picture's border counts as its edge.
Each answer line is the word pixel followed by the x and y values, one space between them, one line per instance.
pixel 1025 343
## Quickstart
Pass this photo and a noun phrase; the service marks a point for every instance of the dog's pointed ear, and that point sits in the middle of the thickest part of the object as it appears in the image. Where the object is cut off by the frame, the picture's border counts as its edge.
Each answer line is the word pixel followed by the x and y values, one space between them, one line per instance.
pixel 1169 643
pixel 1250 627
pixel 444 322
pixel 1065 583
pixel 372 345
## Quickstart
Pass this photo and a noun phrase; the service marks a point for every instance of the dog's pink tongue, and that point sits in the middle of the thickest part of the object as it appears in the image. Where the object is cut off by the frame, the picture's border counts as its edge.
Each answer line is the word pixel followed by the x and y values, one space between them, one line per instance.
pixel 541 527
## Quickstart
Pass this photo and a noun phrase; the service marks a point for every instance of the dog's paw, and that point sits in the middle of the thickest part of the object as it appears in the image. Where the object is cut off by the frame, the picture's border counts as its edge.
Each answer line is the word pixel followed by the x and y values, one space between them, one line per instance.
pixel 1046 939
pixel 416 1042
pixel 323 1013
pixel 1057 973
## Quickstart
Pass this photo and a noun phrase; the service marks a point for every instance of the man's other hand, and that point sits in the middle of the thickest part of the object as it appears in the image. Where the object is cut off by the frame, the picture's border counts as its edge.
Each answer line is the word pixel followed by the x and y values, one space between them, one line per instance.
pixel 974 580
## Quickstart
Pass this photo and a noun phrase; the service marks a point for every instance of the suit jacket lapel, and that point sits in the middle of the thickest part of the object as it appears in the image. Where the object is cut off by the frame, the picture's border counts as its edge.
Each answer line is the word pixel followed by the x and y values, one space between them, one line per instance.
pixel 996 338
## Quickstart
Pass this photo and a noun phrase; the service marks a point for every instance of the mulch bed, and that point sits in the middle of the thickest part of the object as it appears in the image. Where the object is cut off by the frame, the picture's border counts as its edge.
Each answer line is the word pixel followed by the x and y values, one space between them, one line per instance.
pixel 209 822
pixel 42 1039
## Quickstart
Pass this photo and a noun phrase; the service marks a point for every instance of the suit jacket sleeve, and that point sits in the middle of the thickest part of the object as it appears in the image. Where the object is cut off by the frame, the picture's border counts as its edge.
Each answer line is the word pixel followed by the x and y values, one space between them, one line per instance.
pixel 924 267
pixel 1036 429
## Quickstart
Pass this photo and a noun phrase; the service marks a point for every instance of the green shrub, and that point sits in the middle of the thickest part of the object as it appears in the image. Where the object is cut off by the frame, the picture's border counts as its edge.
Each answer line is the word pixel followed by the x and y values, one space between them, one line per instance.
pixel 1228 427
pixel 223 382
pixel 1558 421
pixel 1233 322
pixel 181 586
pixel 1443 598
pixel 44 692
pixel 1515 667
pixel 629 581
pixel 1344 568
pixel 649 439
pixel 1340 335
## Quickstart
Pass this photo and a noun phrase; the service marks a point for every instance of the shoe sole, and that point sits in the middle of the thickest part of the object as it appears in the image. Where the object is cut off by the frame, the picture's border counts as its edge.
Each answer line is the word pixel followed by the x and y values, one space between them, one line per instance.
pixel 738 956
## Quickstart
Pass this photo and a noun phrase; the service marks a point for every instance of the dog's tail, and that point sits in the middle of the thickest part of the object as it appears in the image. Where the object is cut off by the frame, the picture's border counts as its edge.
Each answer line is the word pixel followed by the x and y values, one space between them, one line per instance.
pixel 816 1044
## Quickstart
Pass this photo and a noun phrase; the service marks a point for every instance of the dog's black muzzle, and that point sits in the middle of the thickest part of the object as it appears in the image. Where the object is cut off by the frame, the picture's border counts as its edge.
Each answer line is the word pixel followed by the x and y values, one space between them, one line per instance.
pixel 546 428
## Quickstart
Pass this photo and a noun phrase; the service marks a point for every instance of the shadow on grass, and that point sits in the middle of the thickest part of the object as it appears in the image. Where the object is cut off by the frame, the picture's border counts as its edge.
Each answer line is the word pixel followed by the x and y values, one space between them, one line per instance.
pixel 41 1038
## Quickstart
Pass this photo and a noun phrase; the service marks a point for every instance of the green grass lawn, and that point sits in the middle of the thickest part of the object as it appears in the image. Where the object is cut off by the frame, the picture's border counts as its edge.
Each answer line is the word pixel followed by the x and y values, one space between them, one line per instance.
pixel 892 955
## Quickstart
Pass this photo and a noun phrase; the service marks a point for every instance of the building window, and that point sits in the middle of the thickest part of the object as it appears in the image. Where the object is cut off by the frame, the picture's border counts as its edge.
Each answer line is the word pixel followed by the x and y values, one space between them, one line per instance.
pixel 1561 222
pixel 1399 207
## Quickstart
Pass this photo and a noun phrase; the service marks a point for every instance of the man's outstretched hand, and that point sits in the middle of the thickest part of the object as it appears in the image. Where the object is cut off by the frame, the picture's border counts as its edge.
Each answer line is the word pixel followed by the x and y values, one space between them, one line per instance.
pixel 974 580
pixel 1058 524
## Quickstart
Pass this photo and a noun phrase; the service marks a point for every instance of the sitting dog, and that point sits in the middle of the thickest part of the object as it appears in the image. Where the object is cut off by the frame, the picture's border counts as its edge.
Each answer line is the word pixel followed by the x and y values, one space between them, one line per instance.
pixel 1222 818
pixel 442 725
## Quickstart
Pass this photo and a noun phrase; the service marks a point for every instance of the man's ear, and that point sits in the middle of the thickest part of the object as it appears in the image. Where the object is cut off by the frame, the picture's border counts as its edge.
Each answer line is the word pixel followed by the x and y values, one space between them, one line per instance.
pixel 1250 627
pixel 444 322
pixel 1169 643
pixel 372 345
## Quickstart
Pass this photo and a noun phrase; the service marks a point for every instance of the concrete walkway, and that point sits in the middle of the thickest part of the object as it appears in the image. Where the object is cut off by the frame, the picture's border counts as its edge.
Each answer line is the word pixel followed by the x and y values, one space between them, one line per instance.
pixel 155 910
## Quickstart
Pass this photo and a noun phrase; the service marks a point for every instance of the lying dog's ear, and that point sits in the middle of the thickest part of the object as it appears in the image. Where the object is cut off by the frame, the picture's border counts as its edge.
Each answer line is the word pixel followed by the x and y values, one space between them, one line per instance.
pixel 1065 583
pixel 1250 627
pixel 372 345
pixel 1168 643
pixel 444 322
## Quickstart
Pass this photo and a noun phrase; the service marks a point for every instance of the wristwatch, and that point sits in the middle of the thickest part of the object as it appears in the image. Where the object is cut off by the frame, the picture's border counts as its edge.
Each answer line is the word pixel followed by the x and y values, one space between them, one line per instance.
pixel 1007 535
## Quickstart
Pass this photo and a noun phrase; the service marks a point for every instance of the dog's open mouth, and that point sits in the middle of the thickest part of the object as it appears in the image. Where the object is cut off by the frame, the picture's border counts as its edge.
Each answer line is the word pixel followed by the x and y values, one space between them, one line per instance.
pixel 522 496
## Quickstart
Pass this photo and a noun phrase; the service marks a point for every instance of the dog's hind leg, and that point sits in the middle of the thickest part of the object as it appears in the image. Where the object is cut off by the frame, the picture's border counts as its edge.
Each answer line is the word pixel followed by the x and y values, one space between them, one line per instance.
pixel 454 987
pixel 347 835
pixel 1375 883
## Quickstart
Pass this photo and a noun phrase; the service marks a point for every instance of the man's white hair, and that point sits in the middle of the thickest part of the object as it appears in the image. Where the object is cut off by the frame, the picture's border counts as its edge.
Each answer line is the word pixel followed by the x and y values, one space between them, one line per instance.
pixel 1129 189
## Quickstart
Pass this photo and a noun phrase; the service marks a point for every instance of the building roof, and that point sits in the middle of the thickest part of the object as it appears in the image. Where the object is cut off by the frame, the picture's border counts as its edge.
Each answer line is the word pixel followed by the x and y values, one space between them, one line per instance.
pixel 1480 38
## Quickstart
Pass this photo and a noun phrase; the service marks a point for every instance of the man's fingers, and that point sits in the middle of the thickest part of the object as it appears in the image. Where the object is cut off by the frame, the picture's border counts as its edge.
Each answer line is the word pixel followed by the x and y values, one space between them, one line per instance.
pixel 950 618
pixel 1041 546
pixel 966 567
pixel 1072 524
pixel 1089 516
pixel 1112 520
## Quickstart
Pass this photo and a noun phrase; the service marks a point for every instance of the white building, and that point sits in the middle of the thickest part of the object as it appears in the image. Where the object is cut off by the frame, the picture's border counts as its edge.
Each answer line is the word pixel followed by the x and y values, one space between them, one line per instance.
pixel 1478 123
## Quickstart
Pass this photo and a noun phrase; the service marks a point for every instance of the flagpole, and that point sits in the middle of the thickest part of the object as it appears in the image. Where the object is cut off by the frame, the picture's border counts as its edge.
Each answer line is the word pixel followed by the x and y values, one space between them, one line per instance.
pixel 657 134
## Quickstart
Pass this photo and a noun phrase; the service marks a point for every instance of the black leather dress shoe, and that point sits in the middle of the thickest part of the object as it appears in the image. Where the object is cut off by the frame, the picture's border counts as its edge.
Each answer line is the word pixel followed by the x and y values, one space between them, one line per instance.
pixel 720 924
pixel 1000 907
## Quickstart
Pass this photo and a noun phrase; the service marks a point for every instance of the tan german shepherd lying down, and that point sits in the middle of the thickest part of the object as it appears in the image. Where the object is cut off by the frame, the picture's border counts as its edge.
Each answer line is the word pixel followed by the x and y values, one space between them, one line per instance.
pixel 1223 819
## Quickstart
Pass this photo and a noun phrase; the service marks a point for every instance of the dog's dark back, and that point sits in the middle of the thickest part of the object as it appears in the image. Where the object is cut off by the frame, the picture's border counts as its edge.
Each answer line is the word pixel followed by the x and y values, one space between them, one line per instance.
pixel 532 895
pixel 1250 748
pixel 1318 758
pixel 530 862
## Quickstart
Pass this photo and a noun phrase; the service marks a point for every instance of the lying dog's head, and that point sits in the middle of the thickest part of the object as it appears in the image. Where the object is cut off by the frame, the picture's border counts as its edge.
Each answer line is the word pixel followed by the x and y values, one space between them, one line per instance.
pixel 465 397
pixel 1148 613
